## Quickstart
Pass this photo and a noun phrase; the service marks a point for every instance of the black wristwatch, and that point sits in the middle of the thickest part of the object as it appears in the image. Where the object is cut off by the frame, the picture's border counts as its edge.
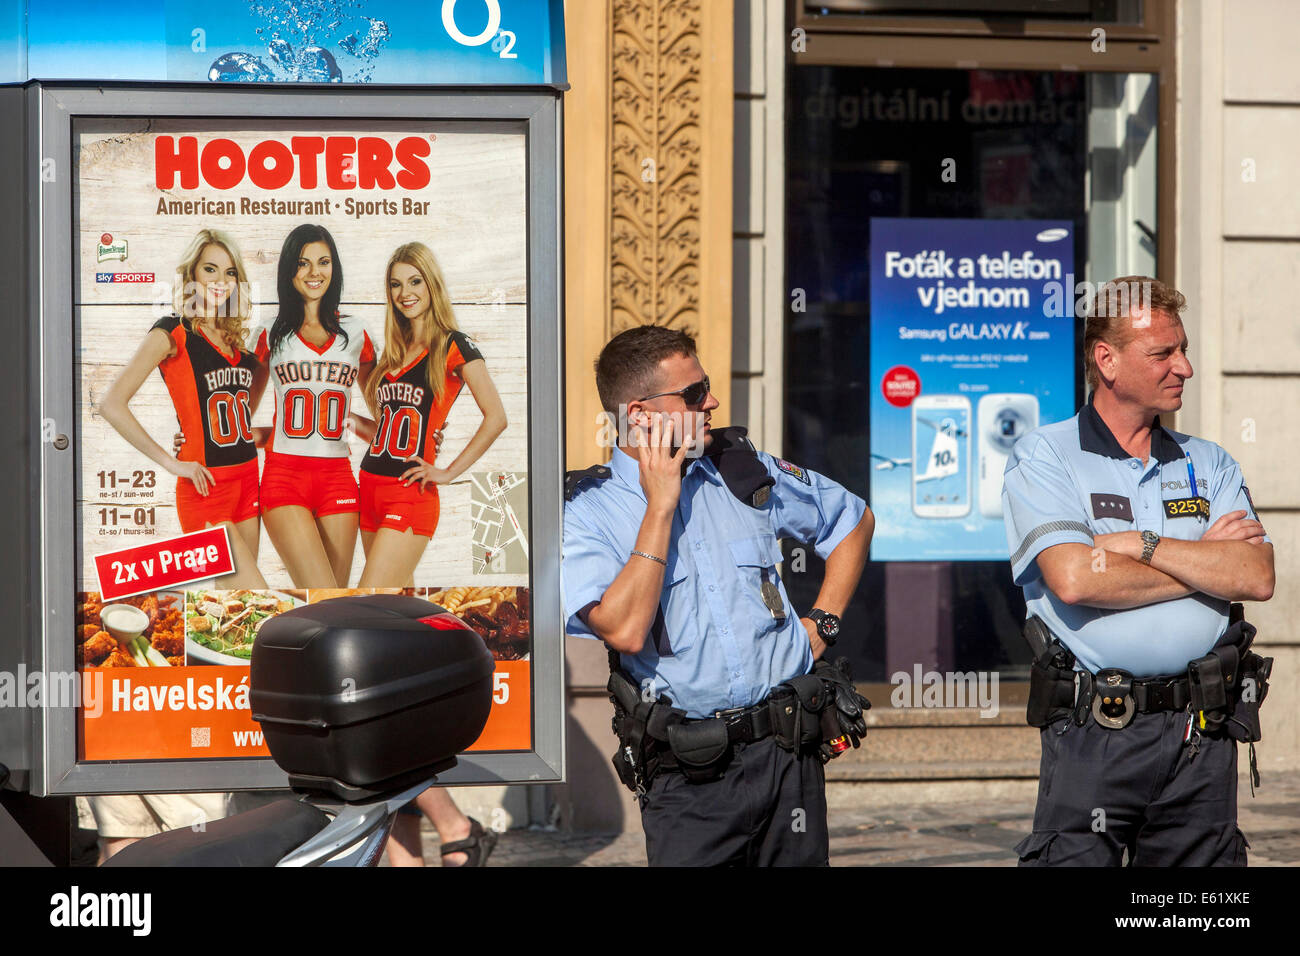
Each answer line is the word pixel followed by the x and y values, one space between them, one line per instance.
pixel 828 625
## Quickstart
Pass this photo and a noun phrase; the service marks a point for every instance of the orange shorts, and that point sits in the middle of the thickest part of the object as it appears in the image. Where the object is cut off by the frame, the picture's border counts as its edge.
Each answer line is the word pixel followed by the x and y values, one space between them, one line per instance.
pixel 232 498
pixel 324 486
pixel 387 503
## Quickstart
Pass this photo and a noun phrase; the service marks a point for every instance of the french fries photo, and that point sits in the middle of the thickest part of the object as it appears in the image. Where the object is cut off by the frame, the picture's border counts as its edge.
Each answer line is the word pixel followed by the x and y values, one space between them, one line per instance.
pixel 500 615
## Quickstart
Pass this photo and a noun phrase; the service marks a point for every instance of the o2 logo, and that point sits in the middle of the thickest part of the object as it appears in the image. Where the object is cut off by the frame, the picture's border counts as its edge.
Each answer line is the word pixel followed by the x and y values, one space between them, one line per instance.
pixel 503 41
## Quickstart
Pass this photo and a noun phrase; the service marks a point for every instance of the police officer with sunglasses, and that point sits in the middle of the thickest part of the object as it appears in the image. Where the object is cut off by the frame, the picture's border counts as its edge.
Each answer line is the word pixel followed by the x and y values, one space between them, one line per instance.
pixel 670 558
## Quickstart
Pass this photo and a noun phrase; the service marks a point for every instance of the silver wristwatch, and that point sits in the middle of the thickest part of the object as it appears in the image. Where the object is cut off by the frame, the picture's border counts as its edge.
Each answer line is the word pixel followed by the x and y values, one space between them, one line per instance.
pixel 1149 541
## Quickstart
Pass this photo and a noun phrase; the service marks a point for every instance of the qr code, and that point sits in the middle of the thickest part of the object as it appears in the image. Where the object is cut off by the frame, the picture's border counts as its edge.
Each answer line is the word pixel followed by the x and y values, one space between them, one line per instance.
pixel 200 736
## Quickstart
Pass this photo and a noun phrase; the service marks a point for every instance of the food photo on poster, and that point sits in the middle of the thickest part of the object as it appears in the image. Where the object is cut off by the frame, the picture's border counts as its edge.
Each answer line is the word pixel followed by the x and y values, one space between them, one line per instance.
pixel 972 345
pixel 301 350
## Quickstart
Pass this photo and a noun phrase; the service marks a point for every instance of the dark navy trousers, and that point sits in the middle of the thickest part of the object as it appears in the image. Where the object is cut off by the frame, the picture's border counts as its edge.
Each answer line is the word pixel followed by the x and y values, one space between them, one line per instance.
pixel 1138 790
pixel 768 809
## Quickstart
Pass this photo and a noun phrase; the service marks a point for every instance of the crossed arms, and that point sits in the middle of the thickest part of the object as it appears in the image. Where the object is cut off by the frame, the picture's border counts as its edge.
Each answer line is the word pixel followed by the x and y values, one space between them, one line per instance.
pixel 1231 561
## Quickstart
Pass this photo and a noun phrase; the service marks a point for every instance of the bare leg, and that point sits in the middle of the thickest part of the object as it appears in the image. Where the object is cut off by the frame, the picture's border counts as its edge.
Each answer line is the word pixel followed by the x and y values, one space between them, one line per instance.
pixel 293 532
pixel 108 847
pixel 250 529
pixel 452 825
pixel 392 557
pixel 339 535
pixel 404 845
pixel 367 541
pixel 246 573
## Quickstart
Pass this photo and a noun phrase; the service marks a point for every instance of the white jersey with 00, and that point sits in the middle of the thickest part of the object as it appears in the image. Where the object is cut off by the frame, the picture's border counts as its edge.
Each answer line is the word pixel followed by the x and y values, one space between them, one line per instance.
pixel 313 388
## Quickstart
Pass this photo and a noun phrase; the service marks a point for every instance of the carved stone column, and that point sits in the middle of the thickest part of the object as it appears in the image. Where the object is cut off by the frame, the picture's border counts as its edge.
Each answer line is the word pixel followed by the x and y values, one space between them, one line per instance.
pixel 655 164
pixel 648 152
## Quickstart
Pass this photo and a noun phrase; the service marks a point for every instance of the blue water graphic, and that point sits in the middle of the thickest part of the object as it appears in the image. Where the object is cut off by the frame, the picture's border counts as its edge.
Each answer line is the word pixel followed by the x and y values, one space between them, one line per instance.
pixel 301 34
pixel 240 68
pixel 317 65
pixel 280 51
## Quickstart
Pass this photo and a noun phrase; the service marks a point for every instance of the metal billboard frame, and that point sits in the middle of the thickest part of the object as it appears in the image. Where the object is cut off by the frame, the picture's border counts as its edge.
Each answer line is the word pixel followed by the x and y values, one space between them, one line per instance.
pixel 52 110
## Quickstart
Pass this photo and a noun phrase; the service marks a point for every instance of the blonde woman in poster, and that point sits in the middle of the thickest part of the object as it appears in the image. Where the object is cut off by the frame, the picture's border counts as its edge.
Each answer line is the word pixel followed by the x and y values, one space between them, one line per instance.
pixel 315 355
pixel 426 362
pixel 214 383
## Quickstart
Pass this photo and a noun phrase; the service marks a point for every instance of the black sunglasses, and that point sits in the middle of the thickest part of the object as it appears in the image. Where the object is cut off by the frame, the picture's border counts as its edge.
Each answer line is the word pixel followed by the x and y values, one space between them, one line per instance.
pixel 691 394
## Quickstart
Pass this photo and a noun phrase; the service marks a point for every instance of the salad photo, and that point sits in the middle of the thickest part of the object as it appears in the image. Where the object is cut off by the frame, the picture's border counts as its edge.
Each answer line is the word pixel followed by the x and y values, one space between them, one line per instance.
pixel 221 626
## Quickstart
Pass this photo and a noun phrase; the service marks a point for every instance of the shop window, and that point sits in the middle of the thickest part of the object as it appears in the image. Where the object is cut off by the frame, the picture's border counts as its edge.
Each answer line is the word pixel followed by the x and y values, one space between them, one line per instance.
pixel 863 144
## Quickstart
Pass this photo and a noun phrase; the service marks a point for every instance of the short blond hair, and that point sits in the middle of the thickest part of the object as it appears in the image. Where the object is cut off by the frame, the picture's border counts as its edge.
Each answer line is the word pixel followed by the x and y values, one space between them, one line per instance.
pixel 1118 308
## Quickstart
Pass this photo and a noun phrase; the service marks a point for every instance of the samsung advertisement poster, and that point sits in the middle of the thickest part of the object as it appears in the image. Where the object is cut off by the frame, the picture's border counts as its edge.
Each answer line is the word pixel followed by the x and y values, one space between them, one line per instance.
pixel 972 346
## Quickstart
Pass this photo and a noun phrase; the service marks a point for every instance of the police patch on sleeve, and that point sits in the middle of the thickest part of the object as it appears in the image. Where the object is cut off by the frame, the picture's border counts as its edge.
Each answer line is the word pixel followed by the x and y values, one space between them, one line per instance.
pixel 793 470
pixel 1254 512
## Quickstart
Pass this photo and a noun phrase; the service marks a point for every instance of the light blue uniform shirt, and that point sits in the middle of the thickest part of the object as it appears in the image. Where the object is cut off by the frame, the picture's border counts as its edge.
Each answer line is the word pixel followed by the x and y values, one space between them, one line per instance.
pixel 1070 480
pixel 715 644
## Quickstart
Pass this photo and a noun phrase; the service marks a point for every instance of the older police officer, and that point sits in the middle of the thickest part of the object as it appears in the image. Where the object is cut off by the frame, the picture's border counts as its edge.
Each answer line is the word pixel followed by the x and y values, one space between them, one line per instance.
pixel 1130 540
pixel 667 563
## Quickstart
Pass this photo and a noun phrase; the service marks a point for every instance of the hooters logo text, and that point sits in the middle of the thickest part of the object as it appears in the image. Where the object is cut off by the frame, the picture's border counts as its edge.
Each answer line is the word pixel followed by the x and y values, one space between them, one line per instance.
pixel 344 162
pixel 322 371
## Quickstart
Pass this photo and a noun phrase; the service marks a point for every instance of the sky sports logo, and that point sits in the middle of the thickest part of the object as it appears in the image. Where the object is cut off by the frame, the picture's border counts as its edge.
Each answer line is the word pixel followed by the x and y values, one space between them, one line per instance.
pixel 124 277
pixel 77 909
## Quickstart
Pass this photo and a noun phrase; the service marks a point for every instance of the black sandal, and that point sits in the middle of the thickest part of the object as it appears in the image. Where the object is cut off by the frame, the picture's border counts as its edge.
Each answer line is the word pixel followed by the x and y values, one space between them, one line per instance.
pixel 477 846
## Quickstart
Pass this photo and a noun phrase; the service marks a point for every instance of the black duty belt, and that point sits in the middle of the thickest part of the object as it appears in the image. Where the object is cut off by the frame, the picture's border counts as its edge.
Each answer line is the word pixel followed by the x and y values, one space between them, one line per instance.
pixel 745 725
pixel 820 711
pixel 1161 693
pixel 1221 691
pixel 1117 696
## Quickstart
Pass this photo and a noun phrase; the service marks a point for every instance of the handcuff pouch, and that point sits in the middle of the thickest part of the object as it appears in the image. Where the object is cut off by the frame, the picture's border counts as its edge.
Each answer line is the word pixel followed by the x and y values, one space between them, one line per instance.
pixel 1113 705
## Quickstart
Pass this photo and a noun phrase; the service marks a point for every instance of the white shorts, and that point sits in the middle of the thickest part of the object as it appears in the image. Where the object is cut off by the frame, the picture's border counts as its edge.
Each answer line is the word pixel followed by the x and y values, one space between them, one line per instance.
pixel 120 816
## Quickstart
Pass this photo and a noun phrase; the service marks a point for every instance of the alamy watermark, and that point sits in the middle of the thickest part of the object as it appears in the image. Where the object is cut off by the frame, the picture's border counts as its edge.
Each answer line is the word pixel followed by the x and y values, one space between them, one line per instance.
pixel 1120 298
pixel 196 299
pixel 615 430
pixel 42 689
pixel 933 689
pixel 78 908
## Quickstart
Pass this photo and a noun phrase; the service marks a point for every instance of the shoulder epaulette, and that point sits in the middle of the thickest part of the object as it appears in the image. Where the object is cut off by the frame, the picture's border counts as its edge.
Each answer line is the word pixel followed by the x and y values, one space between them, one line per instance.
pixel 736 459
pixel 574 479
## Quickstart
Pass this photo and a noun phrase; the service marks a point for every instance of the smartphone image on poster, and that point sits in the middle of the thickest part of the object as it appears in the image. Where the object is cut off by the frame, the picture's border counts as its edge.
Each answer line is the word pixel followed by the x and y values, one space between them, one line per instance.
pixel 941 456
pixel 1002 420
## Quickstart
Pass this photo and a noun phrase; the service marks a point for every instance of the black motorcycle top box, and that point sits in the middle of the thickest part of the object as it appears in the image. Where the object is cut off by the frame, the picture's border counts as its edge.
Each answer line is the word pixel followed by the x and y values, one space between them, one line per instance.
pixel 369 694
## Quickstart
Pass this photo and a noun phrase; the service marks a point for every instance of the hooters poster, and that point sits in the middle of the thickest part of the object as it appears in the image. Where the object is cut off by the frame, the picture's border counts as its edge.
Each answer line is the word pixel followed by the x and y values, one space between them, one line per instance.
pixel 301 351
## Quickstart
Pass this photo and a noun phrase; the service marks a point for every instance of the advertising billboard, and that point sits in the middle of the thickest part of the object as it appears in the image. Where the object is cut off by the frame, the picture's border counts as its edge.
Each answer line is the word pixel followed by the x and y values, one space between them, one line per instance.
pixel 285 360
pixel 328 298
pixel 972 346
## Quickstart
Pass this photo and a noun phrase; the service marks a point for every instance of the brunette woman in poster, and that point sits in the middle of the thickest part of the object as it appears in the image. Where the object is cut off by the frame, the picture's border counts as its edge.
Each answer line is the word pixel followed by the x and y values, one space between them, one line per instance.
pixel 214 383
pixel 315 355
pixel 425 363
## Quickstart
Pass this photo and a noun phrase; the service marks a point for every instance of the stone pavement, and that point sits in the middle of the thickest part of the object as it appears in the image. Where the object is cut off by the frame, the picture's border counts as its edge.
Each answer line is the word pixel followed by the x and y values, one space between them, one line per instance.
pixel 969 833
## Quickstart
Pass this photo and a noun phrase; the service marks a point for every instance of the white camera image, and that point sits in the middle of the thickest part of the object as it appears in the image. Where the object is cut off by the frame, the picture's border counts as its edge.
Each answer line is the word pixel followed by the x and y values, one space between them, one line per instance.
pixel 1003 419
